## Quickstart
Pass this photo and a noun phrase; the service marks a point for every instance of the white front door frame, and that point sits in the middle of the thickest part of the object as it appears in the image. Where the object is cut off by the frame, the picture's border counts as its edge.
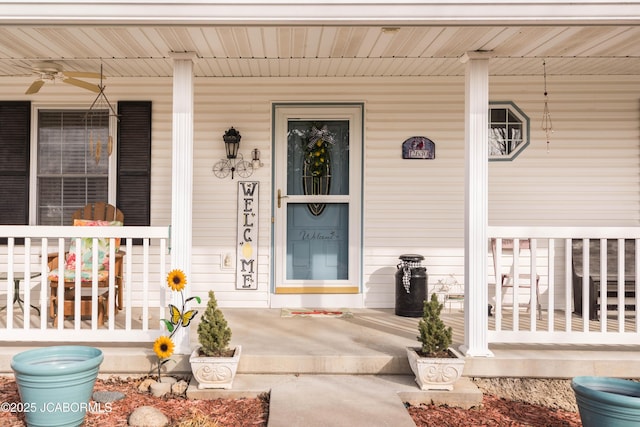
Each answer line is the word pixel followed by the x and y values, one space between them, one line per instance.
pixel 347 293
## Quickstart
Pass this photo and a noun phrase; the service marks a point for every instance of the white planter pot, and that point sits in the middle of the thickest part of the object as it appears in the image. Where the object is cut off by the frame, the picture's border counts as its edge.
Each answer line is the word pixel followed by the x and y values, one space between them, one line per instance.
pixel 214 372
pixel 435 373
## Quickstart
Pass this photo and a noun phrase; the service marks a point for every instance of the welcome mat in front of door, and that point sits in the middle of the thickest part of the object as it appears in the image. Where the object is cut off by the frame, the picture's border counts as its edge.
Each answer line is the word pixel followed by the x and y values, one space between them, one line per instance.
pixel 314 312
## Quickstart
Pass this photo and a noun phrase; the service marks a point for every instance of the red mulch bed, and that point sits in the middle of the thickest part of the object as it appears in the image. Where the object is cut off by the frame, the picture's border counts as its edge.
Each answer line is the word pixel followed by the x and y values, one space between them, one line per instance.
pixel 224 412
pixel 495 411
pixel 254 412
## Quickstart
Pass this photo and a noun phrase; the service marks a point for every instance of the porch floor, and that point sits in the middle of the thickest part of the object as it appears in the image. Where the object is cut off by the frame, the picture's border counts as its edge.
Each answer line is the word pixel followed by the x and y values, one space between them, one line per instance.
pixel 370 341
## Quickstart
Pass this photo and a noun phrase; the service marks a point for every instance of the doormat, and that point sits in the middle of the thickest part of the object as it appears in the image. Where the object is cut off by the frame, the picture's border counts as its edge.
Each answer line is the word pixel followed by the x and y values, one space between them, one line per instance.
pixel 314 312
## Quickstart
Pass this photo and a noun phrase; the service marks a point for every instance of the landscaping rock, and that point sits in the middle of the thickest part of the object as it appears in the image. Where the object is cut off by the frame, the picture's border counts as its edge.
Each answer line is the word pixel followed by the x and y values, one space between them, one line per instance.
pixel 147 416
pixel 551 393
pixel 160 389
pixel 145 384
pixel 179 388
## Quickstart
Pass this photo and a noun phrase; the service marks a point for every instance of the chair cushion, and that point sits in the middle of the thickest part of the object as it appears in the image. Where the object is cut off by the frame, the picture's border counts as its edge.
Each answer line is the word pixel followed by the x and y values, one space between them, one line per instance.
pixel 99 223
pixel 86 254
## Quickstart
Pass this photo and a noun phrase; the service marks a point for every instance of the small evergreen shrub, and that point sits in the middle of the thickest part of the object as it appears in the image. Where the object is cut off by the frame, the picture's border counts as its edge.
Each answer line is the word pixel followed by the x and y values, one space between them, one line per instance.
pixel 435 336
pixel 213 332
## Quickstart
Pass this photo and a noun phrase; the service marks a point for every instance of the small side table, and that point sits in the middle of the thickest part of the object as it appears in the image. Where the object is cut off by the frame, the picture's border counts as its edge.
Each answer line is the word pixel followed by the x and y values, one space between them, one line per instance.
pixel 17 277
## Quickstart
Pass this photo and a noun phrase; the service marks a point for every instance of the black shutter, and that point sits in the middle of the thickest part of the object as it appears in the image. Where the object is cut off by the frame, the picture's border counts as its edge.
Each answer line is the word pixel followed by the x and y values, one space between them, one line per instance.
pixel 134 162
pixel 15 125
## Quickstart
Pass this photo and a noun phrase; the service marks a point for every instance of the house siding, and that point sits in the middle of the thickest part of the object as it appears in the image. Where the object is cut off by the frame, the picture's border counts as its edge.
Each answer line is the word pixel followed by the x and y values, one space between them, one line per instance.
pixel 589 176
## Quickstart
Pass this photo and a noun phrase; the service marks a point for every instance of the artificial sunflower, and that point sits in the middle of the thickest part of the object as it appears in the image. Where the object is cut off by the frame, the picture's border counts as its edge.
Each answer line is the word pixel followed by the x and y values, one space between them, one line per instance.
pixel 163 347
pixel 176 279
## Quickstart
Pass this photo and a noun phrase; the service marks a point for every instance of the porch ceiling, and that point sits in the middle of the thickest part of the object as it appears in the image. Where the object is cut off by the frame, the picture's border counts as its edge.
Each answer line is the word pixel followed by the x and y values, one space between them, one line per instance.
pixel 303 51
pixel 294 38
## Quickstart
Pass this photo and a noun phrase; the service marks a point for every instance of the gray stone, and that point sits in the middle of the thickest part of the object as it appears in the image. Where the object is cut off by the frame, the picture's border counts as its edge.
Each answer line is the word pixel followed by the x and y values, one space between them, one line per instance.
pixel 159 389
pixel 107 396
pixel 168 380
pixel 144 385
pixel 179 388
pixel 147 416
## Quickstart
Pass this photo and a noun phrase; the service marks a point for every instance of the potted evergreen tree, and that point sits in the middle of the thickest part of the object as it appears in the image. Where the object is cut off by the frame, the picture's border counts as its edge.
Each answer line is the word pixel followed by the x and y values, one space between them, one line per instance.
pixel 213 363
pixel 436 365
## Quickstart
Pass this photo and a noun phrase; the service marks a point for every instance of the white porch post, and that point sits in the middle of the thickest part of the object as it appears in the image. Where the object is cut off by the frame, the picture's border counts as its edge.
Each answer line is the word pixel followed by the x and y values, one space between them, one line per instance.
pixel 182 180
pixel 476 202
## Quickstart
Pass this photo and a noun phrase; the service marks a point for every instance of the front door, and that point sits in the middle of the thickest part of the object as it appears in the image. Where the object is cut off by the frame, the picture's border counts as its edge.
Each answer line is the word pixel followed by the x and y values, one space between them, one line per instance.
pixel 317 198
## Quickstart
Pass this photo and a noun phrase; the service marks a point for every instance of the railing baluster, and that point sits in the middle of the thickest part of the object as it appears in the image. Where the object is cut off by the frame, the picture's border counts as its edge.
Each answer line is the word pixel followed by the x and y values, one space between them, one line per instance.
pixel 568 280
pixel 128 301
pixel 10 282
pixel 621 285
pixel 515 307
pixel 533 299
pixel 551 284
pixel 636 297
pixel 604 279
pixel 586 315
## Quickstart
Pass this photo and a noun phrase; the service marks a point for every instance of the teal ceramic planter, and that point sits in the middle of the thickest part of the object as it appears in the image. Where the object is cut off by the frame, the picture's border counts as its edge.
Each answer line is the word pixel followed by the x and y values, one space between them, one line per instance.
pixel 56 383
pixel 607 402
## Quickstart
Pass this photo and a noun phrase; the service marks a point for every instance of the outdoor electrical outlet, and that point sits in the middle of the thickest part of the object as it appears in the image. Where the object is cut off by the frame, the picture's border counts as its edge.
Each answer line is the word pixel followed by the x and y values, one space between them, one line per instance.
pixel 227 262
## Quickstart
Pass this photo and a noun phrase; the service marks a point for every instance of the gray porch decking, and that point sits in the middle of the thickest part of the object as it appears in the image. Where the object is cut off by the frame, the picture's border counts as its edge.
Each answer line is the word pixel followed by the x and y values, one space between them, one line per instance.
pixel 372 341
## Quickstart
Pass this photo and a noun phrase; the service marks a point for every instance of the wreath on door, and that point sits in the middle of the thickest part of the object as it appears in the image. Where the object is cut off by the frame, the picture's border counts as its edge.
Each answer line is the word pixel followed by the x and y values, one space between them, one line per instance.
pixel 316 174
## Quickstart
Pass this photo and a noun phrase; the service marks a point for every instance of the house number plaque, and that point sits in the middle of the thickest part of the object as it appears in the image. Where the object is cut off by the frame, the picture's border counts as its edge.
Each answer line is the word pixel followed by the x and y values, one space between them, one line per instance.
pixel 247 254
pixel 418 147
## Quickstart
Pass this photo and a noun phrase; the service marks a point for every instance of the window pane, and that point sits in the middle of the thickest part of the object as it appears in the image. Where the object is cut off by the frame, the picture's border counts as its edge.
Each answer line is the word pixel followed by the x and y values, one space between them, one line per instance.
pixel 73 164
pixel 498 115
pixel 331 164
pixel 318 246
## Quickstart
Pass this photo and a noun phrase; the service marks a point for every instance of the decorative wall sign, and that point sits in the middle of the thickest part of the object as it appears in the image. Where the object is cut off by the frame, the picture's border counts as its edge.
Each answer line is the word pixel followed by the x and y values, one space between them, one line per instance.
pixel 247 254
pixel 418 147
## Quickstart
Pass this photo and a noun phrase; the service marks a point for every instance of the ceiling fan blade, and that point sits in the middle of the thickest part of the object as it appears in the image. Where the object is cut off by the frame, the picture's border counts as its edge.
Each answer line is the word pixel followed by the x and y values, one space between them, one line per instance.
pixel 35 87
pixel 83 74
pixel 82 84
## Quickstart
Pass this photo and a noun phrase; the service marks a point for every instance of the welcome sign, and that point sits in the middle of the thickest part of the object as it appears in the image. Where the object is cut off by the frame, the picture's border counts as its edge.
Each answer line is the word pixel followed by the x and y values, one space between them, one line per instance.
pixel 247 253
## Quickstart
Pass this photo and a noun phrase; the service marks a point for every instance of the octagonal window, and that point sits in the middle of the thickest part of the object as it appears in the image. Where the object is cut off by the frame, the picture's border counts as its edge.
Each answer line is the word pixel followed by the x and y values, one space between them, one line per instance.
pixel 508 131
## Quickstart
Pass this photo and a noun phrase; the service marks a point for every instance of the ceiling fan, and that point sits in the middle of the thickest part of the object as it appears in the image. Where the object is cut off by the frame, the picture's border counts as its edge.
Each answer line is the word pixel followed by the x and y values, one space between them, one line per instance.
pixel 52 71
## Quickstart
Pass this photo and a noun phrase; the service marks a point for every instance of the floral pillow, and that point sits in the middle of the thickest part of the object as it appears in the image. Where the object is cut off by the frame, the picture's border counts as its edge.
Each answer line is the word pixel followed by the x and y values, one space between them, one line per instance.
pixel 98 223
pixel 86 254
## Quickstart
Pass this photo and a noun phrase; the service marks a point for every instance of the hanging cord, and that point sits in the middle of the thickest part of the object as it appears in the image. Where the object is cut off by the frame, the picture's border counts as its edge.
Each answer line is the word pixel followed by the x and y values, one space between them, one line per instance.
pixel 547 125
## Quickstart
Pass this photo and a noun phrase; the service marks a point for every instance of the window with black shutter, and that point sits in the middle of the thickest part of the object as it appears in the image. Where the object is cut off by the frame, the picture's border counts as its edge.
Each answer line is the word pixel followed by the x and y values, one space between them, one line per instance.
pixel 134 162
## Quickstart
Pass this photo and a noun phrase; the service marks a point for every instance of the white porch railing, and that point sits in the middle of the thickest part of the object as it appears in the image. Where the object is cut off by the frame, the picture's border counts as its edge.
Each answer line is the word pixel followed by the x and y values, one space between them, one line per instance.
pixel 607 309
pixel 24 281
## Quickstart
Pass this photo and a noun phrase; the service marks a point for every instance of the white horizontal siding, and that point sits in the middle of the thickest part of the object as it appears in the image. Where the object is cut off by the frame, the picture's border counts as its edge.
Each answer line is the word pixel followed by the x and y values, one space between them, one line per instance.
pixel 589 177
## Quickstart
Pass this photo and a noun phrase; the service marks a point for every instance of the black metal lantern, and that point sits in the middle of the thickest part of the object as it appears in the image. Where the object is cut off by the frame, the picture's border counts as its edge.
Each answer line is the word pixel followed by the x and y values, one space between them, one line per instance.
pixel 231 142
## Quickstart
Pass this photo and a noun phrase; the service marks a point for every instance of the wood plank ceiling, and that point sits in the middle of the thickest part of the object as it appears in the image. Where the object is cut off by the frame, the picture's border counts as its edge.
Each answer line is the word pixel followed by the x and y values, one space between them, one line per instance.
pixel 342 51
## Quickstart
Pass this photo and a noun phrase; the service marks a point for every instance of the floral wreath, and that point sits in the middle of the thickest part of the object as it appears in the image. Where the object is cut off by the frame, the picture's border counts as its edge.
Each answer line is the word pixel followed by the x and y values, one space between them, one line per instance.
pixel 316 154
pixel 163 345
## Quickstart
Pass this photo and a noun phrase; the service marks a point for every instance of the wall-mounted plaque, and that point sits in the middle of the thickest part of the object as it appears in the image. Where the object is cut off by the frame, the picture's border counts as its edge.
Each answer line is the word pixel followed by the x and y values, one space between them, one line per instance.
pixel 418 147
pixel 247 254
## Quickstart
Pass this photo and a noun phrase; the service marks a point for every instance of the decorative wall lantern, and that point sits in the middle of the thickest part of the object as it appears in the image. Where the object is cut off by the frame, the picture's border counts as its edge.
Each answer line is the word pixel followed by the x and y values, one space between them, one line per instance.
pixel 255 159
pixel 234 162
pixel 232 142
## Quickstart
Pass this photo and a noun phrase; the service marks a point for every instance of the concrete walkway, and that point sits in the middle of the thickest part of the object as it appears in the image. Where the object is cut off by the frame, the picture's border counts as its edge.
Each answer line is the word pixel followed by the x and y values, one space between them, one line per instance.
pixel 337 401
pixel 341 400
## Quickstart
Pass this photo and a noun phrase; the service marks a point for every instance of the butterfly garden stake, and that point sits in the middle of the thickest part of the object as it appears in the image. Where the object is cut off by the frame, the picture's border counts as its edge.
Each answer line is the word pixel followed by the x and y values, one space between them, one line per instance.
pixel 179 317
